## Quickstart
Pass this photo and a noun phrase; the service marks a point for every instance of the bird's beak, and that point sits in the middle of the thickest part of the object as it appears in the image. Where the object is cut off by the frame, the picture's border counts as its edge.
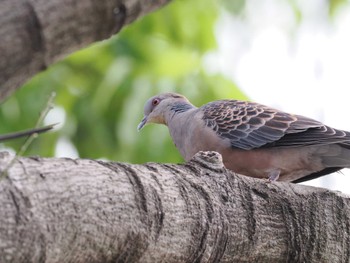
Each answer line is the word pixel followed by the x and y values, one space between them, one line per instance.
pixel 142 123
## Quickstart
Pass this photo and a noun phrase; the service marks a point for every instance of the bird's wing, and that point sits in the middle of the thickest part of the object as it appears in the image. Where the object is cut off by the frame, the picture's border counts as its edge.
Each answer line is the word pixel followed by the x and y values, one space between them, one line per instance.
pixel 251 125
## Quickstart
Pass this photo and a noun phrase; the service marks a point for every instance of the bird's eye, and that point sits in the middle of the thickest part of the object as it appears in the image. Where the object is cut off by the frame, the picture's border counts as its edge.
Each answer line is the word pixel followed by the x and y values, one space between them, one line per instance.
pixel 155 102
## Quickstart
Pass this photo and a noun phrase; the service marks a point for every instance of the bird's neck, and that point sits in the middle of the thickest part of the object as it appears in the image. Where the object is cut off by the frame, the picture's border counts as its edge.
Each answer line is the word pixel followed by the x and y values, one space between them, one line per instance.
pixel 181 107
pixel 177 109
pixel 179 120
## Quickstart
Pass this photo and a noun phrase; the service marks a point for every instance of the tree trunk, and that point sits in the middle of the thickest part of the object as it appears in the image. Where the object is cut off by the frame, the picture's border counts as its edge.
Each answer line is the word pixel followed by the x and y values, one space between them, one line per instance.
pixel 36 33
pixel 63 210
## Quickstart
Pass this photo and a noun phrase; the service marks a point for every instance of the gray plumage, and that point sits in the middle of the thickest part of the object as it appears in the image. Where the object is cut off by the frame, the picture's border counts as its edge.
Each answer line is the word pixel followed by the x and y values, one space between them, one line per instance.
pixel 253 139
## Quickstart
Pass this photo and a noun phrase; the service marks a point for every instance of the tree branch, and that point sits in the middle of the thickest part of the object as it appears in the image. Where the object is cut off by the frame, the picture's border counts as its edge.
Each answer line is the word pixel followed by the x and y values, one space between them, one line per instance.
pixel 63 210
pixel 35 34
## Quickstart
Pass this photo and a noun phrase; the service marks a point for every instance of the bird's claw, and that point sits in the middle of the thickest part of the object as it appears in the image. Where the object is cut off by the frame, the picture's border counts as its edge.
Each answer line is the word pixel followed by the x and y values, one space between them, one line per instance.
pixel 273 176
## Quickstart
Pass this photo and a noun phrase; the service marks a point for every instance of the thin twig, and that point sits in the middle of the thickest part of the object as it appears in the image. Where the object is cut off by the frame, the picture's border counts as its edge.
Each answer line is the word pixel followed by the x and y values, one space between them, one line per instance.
pixel 31 138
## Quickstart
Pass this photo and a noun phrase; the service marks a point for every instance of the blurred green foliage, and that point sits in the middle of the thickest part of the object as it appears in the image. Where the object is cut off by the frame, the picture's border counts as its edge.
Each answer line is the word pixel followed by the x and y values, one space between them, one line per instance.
pixel 335 5
pixel 103 88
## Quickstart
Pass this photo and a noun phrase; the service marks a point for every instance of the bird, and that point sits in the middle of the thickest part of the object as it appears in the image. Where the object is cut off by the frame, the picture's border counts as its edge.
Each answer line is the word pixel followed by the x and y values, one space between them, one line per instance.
pixel 25 133
pixel 254 140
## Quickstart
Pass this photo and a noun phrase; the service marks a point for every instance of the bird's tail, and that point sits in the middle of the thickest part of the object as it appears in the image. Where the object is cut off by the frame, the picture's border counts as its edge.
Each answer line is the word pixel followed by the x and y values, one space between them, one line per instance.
pixel 336 155
pixel 25 133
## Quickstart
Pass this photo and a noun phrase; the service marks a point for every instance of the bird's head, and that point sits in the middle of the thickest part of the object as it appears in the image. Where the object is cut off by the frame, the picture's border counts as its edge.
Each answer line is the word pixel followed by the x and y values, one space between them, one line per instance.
pixel 156 107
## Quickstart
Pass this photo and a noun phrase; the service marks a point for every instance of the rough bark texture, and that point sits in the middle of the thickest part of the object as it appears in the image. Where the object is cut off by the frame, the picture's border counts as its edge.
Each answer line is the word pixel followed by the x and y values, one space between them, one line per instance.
pixel 36 33
pixel 63 210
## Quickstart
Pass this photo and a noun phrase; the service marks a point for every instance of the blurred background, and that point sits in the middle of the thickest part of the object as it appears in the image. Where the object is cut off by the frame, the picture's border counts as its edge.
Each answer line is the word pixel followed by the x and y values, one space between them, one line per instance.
pixel 290 54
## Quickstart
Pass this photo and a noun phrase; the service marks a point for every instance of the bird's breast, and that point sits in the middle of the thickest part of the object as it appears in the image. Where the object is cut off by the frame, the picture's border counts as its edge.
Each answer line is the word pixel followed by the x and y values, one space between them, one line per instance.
pixel 190 135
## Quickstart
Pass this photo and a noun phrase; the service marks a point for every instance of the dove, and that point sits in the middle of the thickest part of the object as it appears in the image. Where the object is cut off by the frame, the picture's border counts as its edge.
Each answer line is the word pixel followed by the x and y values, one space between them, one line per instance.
pixel 254 140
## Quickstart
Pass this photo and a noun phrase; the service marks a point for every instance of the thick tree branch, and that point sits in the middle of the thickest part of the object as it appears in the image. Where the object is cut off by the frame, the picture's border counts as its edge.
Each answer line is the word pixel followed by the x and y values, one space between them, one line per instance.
pixel 63 210
pixel 36 33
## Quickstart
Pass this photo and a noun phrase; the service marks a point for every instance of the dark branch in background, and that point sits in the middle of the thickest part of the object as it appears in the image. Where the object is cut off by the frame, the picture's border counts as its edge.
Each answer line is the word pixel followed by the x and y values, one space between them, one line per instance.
pixel 35 34
pixel 24 133
pixel 31 133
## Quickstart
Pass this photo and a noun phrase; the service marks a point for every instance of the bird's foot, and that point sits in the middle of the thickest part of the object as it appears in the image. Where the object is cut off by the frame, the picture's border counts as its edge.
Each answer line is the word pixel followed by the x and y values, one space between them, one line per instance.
pixel 273 176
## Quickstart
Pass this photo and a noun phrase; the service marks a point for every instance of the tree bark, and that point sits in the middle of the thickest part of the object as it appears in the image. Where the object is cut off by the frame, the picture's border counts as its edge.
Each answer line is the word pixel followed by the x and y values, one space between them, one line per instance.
pixel 63 210
pixel 36 33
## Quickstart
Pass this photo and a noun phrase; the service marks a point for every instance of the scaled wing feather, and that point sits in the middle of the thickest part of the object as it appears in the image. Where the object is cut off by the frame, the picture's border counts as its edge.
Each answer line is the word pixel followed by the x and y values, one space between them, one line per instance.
pixel 251 125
